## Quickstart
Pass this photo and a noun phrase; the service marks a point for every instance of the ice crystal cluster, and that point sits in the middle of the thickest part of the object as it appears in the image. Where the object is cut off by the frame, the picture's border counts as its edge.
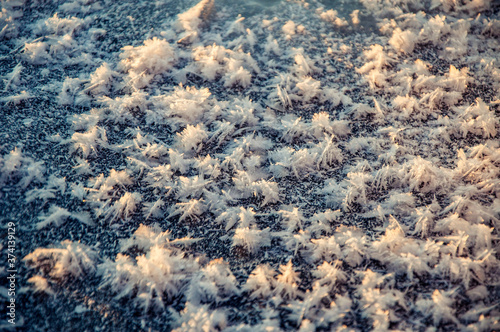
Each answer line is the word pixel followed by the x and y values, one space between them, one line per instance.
pixel 258 166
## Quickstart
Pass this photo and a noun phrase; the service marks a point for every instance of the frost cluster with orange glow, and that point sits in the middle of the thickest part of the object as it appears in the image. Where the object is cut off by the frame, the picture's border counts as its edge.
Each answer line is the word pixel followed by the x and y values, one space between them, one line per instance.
pixel 379 186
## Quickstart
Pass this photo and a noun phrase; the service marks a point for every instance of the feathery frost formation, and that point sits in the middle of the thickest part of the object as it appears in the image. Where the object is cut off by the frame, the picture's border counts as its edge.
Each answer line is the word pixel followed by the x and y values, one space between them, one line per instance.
pixel 189 168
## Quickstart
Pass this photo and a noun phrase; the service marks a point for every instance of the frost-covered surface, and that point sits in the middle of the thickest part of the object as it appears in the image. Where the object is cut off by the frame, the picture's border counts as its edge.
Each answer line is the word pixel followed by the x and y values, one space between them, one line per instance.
pixel 266 166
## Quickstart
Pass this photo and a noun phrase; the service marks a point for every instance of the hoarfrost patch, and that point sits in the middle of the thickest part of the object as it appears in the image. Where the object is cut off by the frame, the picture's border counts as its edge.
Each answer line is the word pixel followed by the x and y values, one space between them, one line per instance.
pixel 269 172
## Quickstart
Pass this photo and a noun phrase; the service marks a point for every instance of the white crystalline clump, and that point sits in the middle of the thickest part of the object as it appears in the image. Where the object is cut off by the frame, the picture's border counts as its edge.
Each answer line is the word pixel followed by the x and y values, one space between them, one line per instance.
pixel 210 60
pixel 456 80
pixel 457 43
pixel 13 79
pixel 337 310
pixel 479 120
pixel 242 111
pixel 90 141
pixel 160 177
pixel 237 215
pixel 17 98
pixel 70 88
pixel 307 309
pixel 354 248
pixel 334 192
pixel 155 56
pixel 185 105
pixel 56 216
pixel 378 301
pixel 272 46
pixel 200 318
pixel 153 209
pixel 142 63
pixel 252 239
pixel 122 209
pixel 292 218
pixel 208 166
pixel 8 16
pixel 308 89
pixel 33 173
pixel 40 284
pixel 11 163
pixel 191 187
pixel 287 282
pixel 330 275
pixel 60 26
pixel 190 210
pixel 190 21
pixel 434 28
pixel 379 59
pixel 54 185
pixel 289 28
pixel 321 222
pixel 84 121
pixel 151 280
pixel 492 28
pixel 215 61
pixel 241 77
pixel 332 17
pixel 463 269
pixel 328 153
pixel 439 307
pixel 321 124
pixel 192 137
pixel 16 166
pixel 304 65
pixel 451 36
pixel 403 41
pixel 425 219
pixel 375 70
pixel 146 237
pixel 357 188
pixel 69 259
pixel 400 203
pixel 300 162
pixel 106 187
pixel 37 53
pixel 470 6
pixel 127 108
pixel 403 254
pixel 355 16
pixel 325 248
pixel 178 161
pixel 236 26
pixel 267 190
pixel 357 144
pixel 423 176
pixel 261 282
pixel 214 283
pixel 101 80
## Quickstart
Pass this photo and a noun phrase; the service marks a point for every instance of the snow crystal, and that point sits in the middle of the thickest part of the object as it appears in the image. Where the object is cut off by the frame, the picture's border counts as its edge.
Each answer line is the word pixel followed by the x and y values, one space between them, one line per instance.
pixel 70 259
pixel 142 63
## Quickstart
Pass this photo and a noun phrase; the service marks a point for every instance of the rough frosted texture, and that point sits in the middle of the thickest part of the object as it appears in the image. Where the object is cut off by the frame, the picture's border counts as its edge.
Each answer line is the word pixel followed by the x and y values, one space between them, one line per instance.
pixel 251 165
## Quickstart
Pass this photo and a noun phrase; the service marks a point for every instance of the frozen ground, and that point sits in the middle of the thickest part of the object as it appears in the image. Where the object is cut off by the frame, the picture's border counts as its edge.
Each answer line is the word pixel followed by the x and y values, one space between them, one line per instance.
pixel 250 166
